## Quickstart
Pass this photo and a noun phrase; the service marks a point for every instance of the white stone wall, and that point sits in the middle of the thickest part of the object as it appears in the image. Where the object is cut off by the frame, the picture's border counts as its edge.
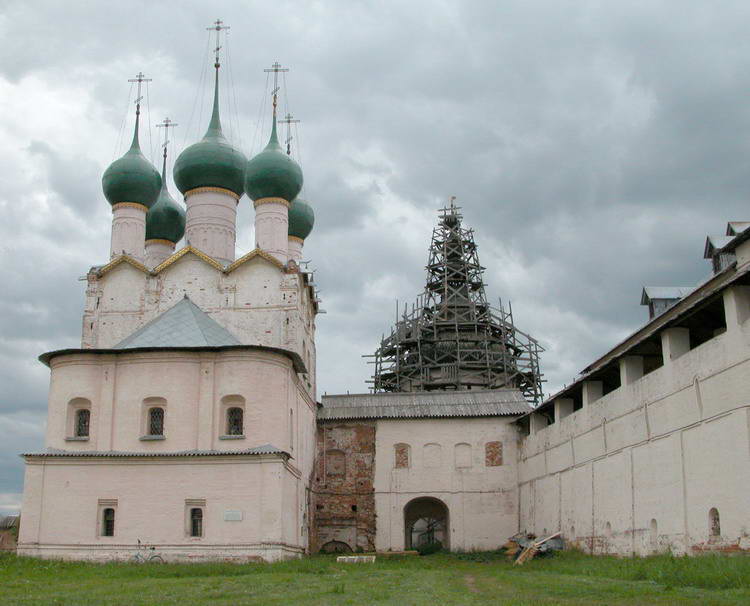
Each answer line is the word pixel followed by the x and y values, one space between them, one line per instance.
pixel 637 470
pixel 482 501
pixel 151 498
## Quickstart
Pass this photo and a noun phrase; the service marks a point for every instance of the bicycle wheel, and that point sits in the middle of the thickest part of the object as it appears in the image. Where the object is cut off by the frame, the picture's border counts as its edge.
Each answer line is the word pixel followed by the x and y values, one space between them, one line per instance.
pixel 157 559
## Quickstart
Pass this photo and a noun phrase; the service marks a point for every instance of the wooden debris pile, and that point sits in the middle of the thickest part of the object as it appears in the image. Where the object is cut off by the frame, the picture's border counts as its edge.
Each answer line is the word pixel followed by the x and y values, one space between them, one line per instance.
pixel 522 547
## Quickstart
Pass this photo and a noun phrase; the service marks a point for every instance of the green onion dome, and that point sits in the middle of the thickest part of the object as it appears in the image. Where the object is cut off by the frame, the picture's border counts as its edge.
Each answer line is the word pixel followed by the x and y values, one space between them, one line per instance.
pixel 301 218
pixel 272 173
pixel 132 178
pixel 212 162
pixel 165 220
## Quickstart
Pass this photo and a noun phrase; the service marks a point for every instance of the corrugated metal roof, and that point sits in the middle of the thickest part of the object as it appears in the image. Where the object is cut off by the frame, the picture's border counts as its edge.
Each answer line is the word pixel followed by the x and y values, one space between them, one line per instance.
pixel 431 404
pixel 9 521
pixel 183 325
pixel 258 450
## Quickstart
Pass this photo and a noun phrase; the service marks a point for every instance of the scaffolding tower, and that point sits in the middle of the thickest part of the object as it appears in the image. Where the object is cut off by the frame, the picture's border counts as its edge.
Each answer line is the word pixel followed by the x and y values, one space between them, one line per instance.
pixel 451 338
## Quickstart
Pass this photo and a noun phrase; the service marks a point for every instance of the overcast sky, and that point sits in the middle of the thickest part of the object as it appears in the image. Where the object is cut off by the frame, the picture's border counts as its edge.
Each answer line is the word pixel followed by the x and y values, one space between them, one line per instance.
pixel 592 146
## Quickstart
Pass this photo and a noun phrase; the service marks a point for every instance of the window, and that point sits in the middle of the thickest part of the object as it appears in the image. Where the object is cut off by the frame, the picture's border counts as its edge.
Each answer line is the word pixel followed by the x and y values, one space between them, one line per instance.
pixel 493 454
pixel 108 522
pixel 401 454
pixel 83 421
pixel 462 454
pixel 235 421
pixel 156 421
pixel 714 524
pixel 196 522
pixel 432 455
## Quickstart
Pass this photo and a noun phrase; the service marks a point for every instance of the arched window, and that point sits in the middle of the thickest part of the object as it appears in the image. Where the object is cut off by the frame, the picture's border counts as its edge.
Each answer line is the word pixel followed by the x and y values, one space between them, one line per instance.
pixel 653 534
pixel 196 522
pixel 235 421
pixel 156 421
pixel 83 421
pixel 108 522
pixel 714 524
pixel 431 455
pixel 402 456
pixel 462 455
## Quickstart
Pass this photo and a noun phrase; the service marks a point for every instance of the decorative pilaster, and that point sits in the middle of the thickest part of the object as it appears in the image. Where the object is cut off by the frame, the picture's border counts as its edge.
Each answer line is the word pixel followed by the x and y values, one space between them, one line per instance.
pixel 158 251
pixel 294 246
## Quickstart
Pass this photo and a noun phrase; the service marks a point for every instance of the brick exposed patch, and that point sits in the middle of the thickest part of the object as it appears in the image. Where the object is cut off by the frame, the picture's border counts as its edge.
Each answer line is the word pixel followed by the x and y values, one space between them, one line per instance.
pixel 493 454
pixel 342 497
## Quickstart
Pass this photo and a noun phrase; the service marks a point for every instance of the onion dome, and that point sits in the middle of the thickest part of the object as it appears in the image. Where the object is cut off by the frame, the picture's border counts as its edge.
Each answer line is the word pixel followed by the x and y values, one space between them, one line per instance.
pixel 132 178
pixel 301 218
pixel 165 220
pixel 272 173
pixel 212 162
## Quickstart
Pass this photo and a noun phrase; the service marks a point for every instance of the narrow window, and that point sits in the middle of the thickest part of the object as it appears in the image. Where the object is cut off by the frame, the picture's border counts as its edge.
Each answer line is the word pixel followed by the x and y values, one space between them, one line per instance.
pixel 291 429
pixel 235 421
pixel 156 421
pixel 335 464
pixel 401 455
pixel 714 524
pixel 196 522
pixel 83 421
pixel 493 454
pixel 108 522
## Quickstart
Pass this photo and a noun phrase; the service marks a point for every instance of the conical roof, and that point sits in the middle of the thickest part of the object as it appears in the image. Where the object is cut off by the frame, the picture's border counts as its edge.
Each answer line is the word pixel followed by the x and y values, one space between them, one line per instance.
pixel 272 173
pixel 165 220
pixel 301 218
pixel 184 325
pixel 132 178
pixel 212 162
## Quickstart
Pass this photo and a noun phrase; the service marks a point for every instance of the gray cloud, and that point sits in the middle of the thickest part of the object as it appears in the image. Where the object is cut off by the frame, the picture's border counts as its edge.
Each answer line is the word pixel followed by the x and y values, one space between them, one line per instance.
pixel 592 146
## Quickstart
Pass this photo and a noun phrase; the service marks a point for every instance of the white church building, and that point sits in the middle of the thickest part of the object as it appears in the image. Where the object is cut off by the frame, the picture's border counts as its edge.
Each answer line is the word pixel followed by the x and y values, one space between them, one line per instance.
pixel 188 419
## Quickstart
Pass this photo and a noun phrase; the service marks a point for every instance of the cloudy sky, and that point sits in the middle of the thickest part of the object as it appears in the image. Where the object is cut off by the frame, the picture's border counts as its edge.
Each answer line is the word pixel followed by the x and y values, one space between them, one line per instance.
pixel 592 145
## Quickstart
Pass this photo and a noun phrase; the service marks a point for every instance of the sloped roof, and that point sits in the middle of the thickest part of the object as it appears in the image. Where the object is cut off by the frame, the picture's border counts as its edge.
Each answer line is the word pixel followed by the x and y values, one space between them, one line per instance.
pixel 735 228
pixel 258 450
pixel 664 292
pixel 430 404
pixel 10 521
pixel 714 243
pixel 184 325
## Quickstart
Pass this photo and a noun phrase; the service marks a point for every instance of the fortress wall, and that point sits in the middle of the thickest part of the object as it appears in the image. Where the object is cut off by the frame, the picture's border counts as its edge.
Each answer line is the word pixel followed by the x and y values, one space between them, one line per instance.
pixel 639 469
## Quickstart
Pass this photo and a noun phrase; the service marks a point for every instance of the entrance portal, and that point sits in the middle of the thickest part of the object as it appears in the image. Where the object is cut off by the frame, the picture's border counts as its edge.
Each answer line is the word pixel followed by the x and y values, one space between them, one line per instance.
pixel 426 523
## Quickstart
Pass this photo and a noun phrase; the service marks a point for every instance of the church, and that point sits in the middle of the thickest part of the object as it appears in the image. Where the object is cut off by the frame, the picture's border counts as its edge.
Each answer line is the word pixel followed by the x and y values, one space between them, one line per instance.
pixel 189 419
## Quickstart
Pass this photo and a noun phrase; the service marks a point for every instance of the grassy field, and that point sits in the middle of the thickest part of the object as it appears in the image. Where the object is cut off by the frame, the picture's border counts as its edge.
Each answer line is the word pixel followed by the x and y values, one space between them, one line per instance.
pixel 487 578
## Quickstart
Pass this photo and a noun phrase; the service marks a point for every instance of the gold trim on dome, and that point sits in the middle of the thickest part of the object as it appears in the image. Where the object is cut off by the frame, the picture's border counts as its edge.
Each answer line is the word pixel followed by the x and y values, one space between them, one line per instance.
pixel 297 239
pixel 217 190
pixel 181 253
pixel 251 255
pixel 260 201
pixel 137 205
pixel 160 241
pixel 121 259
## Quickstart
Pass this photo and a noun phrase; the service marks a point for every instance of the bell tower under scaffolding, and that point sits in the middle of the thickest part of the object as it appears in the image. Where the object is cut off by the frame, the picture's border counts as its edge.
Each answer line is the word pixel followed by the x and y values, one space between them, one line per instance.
pixel 451 338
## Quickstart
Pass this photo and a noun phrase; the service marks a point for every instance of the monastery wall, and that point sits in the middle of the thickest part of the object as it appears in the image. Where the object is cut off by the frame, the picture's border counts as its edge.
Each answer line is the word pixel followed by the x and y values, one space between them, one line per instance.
pixel 468 464
pixel 660 463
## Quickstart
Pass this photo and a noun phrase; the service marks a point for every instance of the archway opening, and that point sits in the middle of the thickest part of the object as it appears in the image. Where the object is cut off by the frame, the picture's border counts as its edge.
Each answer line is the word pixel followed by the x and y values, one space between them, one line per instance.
pixel 426 524
pixel 335 547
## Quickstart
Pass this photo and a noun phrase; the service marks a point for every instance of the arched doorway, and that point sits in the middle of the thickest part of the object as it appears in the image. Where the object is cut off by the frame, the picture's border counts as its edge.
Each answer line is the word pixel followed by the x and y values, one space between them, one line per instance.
pixel 426 522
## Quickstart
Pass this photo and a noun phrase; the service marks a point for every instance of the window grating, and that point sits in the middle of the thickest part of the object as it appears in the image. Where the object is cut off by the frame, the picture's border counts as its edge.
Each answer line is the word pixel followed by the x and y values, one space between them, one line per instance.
pixel 108 522
pixel 83 421
pixel 235 422
pixel 156 422
pixel 196 522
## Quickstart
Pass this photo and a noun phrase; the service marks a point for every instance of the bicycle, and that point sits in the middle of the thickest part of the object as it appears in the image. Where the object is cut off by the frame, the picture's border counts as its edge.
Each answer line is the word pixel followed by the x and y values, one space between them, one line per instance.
pixel 146 554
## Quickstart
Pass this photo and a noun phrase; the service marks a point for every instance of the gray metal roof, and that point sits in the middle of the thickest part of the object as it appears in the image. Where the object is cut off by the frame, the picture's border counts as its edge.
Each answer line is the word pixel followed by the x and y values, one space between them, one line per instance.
pixel 9 521
pixel 258 450
pixel 664 292
pixel 735 228
pixel 714 243
pixel 184 325
pixel 430 404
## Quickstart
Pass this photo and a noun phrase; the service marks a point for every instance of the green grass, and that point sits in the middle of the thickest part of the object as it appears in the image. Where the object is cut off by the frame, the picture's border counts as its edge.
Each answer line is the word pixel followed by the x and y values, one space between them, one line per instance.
pixel 470 578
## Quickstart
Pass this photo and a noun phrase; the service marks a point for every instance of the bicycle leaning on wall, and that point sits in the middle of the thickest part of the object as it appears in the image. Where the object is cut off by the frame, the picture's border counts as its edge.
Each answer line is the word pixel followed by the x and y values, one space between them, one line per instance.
pixel 146 554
